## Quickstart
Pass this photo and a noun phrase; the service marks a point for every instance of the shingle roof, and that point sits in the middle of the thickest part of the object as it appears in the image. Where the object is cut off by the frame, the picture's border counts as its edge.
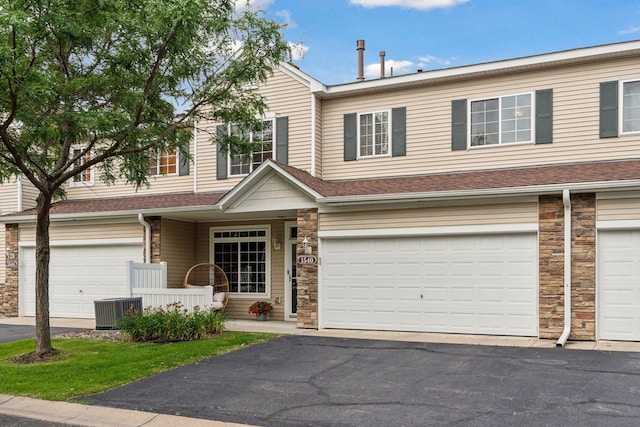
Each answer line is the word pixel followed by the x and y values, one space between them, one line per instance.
pixel 130 203
pixel 579 173
pixel 594 172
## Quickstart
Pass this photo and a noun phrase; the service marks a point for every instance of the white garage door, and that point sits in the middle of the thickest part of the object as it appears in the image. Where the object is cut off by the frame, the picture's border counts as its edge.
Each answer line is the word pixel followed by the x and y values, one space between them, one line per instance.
pixel 79 275
pixel 483 284
pixel 619 285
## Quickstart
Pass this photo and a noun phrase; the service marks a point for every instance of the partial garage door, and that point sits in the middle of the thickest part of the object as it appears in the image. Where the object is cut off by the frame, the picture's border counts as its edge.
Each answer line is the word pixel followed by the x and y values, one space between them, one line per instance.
pixel 79 275
pixel 619 285
pixel 481 284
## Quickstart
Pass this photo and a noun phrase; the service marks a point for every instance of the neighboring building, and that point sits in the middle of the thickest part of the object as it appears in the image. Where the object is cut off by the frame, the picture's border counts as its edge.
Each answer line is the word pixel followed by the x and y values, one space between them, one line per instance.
pixel 433 201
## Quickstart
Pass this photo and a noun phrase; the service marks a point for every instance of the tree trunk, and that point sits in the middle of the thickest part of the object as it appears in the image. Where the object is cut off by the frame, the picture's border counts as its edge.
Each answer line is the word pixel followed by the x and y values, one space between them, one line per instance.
pixel 43 255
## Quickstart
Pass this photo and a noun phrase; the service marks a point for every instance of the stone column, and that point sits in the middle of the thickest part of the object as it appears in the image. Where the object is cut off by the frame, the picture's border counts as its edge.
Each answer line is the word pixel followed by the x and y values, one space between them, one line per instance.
pixel 307 274
pixel 583 266
pixel 9 289
pixel 156 227
pixel 551 266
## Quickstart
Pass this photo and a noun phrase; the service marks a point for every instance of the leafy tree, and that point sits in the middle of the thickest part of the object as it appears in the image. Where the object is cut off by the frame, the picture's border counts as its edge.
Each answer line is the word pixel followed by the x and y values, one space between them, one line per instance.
pixel 123 80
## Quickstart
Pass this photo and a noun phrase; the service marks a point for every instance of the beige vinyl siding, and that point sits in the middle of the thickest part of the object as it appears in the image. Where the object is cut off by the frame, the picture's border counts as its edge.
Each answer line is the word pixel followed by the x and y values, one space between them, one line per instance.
pixel 158 185
pixel 29 195
pixel 446 216
pixel 575 121
pixel 8 197
pixel 177 249
pixel 623 209
pixel 86 231
pixel 318 134
pixel 286 97
pixel 274 194
pixel 238 307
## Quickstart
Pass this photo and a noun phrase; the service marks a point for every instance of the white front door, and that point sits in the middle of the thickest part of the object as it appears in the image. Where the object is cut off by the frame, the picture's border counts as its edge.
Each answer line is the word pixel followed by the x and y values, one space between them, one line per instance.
pixel 78 275
pixel 618 285
pixel 480 284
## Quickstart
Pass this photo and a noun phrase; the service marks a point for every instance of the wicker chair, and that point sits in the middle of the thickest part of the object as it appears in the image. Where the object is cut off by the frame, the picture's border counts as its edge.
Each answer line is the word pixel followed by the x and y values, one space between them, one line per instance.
pixel 205 274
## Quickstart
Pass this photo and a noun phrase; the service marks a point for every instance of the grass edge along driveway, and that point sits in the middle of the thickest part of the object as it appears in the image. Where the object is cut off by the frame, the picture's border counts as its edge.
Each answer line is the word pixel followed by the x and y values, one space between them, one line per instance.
pixel 92 366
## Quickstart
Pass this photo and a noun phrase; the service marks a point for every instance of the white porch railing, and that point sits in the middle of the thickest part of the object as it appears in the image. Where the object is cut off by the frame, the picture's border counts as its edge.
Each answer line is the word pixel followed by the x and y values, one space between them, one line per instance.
pixel 149 281
pixel 189 298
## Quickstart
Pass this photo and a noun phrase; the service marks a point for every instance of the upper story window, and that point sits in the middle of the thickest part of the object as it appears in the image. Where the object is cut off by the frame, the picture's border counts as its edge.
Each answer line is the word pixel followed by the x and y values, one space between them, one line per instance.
pixel 631 107
pixel 374 134
pixel 242 164
pixel 165 164
pixel 502 120
pixel 86 176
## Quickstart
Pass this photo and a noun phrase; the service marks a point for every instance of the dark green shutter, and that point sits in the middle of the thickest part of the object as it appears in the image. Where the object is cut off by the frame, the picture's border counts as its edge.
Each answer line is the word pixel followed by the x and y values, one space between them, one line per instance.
pixel 183 157
pixel 221 155
pixel 544 116
pixel 282 139
pixel 459 124
pixel 399 131
pixel 608 109
pixel 350 136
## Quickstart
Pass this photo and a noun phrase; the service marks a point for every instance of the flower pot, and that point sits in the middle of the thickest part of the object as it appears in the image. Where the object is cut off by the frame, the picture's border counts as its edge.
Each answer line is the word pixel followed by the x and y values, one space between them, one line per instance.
pixel 261 316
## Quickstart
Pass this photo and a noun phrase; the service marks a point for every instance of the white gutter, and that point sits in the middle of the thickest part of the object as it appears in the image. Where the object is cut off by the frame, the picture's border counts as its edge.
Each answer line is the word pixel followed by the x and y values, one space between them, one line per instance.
pixel 313 135
pixel 566 201
pixel 147 238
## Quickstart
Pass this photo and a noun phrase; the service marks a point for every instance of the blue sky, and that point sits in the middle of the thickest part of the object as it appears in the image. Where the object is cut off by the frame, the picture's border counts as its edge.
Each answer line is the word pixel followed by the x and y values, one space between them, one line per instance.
pixel 434 34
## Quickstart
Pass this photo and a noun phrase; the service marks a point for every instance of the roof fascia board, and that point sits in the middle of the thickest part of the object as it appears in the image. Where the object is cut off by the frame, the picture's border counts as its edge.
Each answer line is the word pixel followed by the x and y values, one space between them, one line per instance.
pixel 302 77
pixel 111 214
pixel 618 49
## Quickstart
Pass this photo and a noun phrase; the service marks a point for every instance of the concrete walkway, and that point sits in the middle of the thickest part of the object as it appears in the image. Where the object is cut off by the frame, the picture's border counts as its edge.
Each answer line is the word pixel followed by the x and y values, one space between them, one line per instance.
pixel 63 413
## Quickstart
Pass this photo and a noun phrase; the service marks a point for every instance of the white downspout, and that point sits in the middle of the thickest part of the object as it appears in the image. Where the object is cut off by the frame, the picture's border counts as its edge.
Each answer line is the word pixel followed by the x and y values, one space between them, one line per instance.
pixel 566 201
pixel 195 156
pixel 147 238
pixel 19 205
pixel 313 135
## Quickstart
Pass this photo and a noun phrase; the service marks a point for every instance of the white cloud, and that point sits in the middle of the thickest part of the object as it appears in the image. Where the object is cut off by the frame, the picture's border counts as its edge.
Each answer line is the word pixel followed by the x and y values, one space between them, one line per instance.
pixel 252 4
pixel 298 50
pixel 286 17
pixel 630 30
pixel 411 4
pixel 372 71
pixel 430 60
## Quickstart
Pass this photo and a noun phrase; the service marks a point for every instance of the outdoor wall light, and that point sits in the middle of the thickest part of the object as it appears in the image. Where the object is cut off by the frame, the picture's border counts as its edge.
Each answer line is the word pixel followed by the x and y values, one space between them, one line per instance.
pixel 276 244
pixel 306 246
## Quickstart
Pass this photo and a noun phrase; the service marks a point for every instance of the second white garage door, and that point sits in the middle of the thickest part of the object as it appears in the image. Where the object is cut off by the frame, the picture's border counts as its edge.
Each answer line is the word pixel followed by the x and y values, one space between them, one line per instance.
pixel 79 275
pixel 480 284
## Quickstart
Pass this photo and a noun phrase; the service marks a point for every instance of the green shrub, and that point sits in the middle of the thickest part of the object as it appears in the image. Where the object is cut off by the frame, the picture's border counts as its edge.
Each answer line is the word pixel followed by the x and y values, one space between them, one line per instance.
pixel 173 323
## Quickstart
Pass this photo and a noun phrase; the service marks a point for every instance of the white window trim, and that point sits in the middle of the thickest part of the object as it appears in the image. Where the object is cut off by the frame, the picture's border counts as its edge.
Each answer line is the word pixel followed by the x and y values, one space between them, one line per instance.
pixel 89 183
pixel 500 143
pixel 160 175
pixel 268 117
pixel 621 84
pixel 267 239
pixel 389 127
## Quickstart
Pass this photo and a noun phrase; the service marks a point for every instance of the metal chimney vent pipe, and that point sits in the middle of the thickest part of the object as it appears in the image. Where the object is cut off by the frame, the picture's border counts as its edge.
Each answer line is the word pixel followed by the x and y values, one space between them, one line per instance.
pixel 382 55
pixel 360 49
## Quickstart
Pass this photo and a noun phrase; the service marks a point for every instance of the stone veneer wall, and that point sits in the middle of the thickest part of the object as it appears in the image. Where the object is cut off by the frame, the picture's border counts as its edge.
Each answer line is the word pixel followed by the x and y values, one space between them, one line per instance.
pixel 551 266
pixel 9 289
pixel 307 274
pixel 156 228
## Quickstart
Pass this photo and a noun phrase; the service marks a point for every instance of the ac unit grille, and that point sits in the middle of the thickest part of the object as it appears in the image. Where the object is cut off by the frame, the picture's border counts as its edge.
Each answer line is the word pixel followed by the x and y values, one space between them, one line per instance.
pixel 110 310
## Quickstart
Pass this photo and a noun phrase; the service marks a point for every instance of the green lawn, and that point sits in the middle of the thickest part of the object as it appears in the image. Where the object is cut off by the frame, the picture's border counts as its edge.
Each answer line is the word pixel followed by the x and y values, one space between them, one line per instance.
pixel 88 366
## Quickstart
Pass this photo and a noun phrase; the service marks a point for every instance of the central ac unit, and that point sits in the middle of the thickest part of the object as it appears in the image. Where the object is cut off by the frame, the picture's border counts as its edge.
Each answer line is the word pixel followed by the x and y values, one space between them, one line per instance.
pixel 110 310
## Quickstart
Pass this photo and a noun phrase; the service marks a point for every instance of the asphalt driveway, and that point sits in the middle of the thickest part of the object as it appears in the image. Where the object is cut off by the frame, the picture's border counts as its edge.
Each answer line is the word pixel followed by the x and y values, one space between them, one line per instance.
pixel 315 381
pixel 9 333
